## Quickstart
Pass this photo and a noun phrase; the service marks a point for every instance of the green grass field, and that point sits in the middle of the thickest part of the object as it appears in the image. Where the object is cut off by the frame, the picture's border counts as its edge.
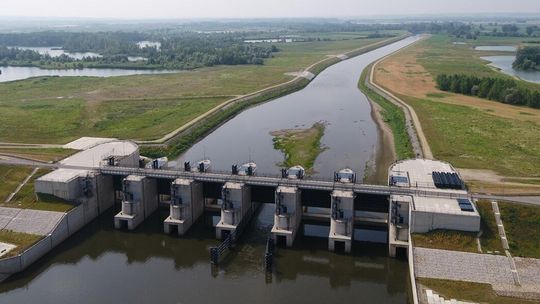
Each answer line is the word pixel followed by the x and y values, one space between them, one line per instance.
pixel 467 291
pixel 60 109
pixel 26 198
pixel 10 178
pixel 21 240
pixel 522 225
pixel 446 240
pixel 471 138
pixel 42 154
pixel 441 56
pixel 490 239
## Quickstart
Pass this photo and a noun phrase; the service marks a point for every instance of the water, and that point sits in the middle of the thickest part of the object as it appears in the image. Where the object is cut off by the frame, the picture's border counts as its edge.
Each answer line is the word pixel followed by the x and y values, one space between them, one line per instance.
pixel 497 48
pixel 57 52
pixel 103 265
pixel 350 137
pixel 504 63
pixel 10 73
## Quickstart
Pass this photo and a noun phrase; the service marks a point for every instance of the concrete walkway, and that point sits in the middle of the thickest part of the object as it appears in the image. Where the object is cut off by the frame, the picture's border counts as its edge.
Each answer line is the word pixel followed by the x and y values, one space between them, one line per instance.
pixel 37 222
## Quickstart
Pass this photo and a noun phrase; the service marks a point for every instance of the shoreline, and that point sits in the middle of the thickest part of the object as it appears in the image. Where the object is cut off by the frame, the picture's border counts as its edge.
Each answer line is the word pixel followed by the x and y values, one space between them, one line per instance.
pixel 377 167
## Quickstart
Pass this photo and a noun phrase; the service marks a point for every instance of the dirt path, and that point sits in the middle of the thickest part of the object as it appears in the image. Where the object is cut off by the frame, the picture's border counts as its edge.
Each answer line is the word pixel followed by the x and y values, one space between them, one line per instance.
pixel 414 128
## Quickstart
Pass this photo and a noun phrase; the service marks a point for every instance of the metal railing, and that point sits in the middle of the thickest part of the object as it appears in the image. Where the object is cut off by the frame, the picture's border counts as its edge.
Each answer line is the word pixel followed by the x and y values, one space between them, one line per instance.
pixel 269 254
pixel 218 253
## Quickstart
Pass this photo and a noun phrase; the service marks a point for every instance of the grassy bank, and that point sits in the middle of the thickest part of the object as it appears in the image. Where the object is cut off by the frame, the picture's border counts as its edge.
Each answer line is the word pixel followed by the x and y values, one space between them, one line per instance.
pixel 465 131
pixel 393 116
pixel 300 146
pixel 465 241
pixel 10 178
pixel 21 240
pixel 42 154
pixel 522 225
pixel 471 138
pixel 447 240
pixel 467 291
pixel 26 198
pixel 59 109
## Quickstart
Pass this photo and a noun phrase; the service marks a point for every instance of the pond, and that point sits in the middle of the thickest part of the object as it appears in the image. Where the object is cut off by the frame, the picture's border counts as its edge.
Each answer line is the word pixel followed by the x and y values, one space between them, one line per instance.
pixel 504 63
pixel 11 73
pixel 57 52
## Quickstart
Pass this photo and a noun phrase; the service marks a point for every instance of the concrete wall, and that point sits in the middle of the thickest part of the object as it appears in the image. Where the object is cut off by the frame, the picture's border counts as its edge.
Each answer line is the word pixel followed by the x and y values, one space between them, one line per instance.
pixel 422 222
pixel 68 225
pixel 66 190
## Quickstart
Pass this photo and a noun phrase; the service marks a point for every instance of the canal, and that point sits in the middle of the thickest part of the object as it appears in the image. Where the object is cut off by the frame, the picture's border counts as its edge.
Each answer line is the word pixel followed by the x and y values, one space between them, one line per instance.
pixel 102 265
pixel 350 138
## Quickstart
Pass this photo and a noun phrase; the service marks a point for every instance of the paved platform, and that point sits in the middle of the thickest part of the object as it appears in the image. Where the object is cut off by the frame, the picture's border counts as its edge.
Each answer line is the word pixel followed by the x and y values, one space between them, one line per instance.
pixel 29 221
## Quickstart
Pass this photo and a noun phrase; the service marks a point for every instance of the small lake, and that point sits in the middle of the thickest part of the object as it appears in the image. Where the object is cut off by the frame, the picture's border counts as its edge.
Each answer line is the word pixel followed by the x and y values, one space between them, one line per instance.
pixel 11 73
pixel 57 52
pixel 504 63
pixel 496 48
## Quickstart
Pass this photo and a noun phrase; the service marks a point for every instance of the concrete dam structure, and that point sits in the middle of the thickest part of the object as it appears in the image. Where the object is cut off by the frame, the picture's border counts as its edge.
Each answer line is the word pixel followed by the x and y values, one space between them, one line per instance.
pixel 413 201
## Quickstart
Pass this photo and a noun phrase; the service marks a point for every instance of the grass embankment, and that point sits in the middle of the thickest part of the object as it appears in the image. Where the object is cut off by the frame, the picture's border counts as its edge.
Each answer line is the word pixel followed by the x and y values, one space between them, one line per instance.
pixel 10 178
pixel 300 146
pixel 393 116
pixel 522 226
pixel 465 241
pixel 447 240
pixel 188 137
pixel 60 109
pixel 21 240
pixel 466 131
pixel 26 198
pixel 42 154
pixel 467 291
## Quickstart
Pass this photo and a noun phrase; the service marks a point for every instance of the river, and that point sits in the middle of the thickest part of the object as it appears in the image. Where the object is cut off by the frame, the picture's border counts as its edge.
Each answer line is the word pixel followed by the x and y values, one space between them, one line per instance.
pixel 11 73
pixel 350 138
pixel 102 265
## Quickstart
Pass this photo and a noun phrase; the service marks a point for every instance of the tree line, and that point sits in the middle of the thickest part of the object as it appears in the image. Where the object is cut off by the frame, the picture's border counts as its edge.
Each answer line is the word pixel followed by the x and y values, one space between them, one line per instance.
pixel 181 51
pixel 527 58
pixel 503 90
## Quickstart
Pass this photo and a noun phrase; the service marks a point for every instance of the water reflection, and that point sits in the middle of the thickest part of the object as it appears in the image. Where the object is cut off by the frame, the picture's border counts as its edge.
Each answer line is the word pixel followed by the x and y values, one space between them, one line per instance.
pixel 100 264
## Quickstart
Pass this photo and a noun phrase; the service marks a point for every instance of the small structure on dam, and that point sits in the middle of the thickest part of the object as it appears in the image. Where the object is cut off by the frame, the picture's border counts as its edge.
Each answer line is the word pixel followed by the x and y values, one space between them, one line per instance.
pixel 420 213
pixel 236 203
pixel 186 205
pixel 139 201
pixel 288 214
pixel 341 220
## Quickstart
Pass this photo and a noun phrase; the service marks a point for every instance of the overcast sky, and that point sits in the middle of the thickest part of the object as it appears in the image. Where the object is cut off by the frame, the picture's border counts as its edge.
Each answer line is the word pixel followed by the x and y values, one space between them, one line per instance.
pixel 257 8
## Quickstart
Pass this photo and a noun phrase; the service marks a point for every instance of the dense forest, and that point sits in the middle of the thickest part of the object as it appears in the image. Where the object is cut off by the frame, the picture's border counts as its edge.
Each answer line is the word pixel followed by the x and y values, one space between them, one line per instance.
pixel 504 90
pixel 184 51
pixel 527 58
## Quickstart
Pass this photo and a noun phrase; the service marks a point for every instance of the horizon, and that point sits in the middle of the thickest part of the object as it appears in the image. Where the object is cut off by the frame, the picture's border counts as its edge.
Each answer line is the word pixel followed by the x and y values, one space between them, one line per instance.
pixel 279 9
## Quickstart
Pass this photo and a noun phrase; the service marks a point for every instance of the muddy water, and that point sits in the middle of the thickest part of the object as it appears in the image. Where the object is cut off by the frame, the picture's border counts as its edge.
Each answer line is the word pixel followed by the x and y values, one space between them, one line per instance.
pixel 350 137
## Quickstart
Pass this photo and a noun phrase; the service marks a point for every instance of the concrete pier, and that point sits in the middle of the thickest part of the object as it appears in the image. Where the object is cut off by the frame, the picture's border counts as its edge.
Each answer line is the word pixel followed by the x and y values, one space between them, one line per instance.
pixel 236 204
pixel 187 205
pixel 341 220
pixel 398 223
pixel 140 200
pixel 288 214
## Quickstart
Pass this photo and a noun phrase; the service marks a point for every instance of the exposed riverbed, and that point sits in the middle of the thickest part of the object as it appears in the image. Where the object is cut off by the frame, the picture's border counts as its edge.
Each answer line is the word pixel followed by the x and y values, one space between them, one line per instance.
pixel 102 265
pixel 350 137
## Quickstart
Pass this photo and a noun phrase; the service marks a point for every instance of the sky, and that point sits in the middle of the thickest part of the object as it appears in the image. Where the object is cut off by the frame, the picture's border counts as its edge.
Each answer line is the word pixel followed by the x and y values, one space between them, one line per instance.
pixel 151 9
